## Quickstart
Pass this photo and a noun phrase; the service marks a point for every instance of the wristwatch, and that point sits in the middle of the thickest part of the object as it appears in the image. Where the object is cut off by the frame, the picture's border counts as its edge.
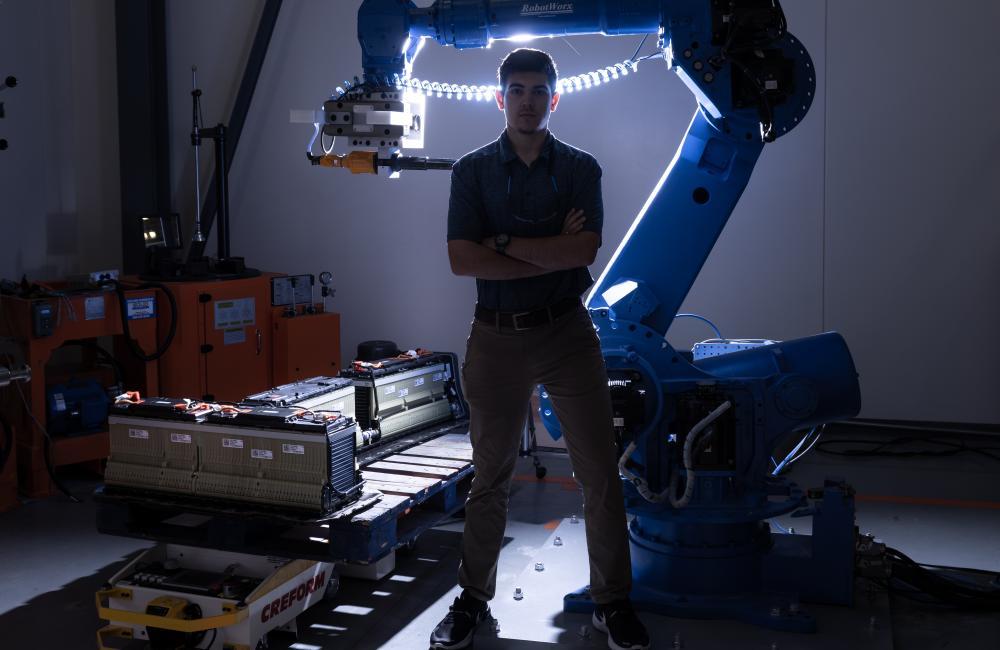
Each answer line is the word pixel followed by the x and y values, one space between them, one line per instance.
pixel 500 242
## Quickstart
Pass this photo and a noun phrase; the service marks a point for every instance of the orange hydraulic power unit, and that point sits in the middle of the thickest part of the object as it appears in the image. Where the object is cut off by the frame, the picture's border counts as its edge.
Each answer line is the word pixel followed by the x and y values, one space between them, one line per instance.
pixel 230 342
pixel 305 345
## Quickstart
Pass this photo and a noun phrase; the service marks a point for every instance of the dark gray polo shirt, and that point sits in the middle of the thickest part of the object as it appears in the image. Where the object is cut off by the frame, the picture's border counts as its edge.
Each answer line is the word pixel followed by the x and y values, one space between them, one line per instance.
pixel 493 192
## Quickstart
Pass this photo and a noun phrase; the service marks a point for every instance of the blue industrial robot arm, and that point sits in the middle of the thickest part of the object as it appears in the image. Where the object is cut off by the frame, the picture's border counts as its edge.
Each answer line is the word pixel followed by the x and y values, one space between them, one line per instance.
pixel 736 57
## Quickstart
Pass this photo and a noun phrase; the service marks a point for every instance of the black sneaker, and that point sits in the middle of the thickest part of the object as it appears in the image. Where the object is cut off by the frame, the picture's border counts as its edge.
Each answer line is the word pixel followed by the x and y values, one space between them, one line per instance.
pixel 624 629
pixel 459 624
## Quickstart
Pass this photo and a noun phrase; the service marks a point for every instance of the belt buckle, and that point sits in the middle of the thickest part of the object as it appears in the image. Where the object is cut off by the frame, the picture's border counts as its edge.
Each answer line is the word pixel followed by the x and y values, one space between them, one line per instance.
pixel 514 317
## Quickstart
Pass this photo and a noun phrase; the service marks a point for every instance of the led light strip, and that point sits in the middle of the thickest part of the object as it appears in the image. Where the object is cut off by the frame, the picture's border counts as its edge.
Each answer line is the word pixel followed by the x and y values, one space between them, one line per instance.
pixel 576 83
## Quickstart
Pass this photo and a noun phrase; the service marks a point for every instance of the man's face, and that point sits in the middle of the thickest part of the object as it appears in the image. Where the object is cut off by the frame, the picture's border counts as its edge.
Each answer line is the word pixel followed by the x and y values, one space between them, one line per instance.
pixel 527 102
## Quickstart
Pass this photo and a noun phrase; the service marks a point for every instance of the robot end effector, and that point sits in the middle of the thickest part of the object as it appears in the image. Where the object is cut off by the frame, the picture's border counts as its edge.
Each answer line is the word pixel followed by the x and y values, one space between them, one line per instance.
pixel 376 119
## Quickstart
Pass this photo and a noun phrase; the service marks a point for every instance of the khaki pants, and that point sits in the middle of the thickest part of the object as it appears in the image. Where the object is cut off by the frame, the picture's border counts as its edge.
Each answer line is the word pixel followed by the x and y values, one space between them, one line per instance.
pixel 502 367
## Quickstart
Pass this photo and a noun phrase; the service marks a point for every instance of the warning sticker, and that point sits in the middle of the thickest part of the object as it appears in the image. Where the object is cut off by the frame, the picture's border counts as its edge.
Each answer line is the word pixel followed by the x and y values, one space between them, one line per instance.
pixel 183 438
pixel 293 449
pixel 232 443
pixel 234 313
pixel 390 389
pixel 232 336
pixel 266 454
pixel 142 434
pixel 140 308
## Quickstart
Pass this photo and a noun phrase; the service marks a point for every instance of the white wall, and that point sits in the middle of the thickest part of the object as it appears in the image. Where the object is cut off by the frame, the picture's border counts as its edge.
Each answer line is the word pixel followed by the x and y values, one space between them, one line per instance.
pixel 59 183
pixel 912 204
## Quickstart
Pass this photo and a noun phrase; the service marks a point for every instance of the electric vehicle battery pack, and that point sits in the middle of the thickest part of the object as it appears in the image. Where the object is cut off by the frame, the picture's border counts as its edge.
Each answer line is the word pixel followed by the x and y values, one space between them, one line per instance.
pixel 315 394
pixel 279 456
pixel 394 397
pixel 154 444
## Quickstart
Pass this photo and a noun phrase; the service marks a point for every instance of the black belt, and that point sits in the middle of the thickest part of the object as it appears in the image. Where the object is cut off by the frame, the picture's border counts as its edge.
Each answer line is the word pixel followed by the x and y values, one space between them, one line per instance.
pixel 525 320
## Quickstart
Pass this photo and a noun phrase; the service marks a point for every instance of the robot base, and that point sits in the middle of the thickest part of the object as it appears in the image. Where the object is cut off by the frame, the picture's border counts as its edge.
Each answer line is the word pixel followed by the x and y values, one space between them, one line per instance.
pixel 760 581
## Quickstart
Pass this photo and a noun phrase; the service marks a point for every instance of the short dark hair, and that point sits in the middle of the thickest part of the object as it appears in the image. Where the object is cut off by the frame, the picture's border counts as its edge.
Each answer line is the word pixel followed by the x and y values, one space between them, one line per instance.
pixel 527 59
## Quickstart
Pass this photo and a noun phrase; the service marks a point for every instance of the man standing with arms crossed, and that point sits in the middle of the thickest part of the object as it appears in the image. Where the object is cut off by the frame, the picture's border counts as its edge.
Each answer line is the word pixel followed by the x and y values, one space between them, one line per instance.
pixel 524 219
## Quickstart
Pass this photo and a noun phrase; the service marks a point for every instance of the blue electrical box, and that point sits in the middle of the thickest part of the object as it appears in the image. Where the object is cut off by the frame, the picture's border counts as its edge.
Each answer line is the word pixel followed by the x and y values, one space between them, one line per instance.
pixel 78 406
pixel 43 322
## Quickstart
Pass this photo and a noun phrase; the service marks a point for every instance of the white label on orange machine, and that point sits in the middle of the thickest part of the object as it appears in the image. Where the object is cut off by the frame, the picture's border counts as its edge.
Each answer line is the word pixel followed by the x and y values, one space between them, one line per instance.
pixel 265 454
pixel 232 443
pixel 235 313
pixel 234 336
pixel 293 449
pixel 140 308
pixel 138 433
pixel 93 308
pixel 183 438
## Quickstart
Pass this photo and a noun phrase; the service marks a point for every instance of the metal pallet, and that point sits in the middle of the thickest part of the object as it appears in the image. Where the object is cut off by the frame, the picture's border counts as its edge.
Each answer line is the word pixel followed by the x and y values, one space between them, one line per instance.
pixel 407 491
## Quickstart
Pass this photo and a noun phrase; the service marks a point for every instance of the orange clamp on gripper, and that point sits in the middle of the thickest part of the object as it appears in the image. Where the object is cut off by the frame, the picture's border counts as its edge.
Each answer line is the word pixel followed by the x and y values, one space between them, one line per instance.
pixel 357 162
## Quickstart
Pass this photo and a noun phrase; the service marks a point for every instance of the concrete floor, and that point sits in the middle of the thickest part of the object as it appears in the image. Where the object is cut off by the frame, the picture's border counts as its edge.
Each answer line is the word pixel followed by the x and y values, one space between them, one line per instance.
pixel 942 511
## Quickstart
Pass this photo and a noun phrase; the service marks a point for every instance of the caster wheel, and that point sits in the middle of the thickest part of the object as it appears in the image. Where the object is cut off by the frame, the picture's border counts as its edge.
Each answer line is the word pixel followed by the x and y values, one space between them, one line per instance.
pixel 409 547
pixel 332 587
pixel 540 472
